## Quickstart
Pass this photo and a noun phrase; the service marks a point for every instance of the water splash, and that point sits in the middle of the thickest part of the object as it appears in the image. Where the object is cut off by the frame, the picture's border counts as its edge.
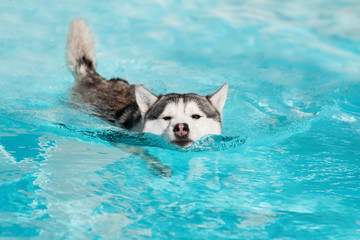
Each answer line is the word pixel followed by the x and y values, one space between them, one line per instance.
pixel 207 143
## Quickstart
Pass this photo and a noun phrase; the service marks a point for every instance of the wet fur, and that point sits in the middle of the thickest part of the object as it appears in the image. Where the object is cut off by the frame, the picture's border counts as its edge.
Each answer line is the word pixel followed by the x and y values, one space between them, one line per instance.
pixel 132 106
pixel 113 101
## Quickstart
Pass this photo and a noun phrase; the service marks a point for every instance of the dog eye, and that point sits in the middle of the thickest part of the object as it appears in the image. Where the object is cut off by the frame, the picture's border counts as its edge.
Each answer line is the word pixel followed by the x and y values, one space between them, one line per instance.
pixel 167 118
pixel 195 116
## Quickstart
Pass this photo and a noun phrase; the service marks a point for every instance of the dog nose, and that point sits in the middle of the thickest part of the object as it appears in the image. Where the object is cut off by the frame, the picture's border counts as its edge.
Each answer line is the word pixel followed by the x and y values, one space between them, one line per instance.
pixel 181 129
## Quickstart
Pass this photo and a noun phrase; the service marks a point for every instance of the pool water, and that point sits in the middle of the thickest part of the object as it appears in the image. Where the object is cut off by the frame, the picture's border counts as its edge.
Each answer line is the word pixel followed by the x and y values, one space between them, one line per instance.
pixel 291 169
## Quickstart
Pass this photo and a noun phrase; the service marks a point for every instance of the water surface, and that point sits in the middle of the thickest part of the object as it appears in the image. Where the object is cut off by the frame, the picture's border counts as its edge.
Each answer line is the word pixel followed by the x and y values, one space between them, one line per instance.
pixel 293 68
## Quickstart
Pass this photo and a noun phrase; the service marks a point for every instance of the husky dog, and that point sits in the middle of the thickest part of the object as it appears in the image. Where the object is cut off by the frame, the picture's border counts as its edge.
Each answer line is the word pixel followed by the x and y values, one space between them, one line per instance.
pixel 180 118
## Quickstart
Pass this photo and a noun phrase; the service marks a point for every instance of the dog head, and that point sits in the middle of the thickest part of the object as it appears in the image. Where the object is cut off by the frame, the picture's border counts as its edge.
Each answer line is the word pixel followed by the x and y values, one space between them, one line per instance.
pixel 181 118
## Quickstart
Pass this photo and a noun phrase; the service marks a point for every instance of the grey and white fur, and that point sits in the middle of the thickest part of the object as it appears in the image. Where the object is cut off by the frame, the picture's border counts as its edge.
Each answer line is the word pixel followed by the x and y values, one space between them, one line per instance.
pixel 180 118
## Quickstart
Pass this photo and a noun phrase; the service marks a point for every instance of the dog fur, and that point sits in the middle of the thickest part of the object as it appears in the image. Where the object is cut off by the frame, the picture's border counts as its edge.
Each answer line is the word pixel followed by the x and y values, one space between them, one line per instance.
pixel 180 118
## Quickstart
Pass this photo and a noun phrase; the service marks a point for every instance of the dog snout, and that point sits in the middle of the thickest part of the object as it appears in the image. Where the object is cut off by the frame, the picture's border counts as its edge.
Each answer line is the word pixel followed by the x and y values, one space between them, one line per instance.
pixel 181 129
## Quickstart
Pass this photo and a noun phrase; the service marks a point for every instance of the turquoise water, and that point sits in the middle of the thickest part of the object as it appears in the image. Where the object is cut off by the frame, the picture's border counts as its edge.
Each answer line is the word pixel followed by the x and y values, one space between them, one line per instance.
pixel 293 68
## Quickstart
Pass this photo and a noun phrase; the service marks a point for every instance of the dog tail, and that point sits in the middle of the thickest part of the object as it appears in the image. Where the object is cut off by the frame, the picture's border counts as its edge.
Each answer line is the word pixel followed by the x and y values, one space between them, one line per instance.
pixel 80 48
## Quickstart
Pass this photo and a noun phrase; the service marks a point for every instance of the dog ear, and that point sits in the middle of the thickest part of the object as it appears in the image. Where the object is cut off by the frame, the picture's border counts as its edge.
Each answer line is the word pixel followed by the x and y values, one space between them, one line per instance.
pixel 218 99
pixel 144 98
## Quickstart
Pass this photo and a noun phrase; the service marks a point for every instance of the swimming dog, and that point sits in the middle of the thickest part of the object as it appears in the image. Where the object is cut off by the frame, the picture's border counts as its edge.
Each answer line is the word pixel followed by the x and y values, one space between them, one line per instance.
pixel 180 118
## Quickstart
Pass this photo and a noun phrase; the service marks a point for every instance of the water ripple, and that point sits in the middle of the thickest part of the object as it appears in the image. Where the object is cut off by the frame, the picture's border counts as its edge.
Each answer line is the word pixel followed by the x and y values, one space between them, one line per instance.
pixel 207 143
